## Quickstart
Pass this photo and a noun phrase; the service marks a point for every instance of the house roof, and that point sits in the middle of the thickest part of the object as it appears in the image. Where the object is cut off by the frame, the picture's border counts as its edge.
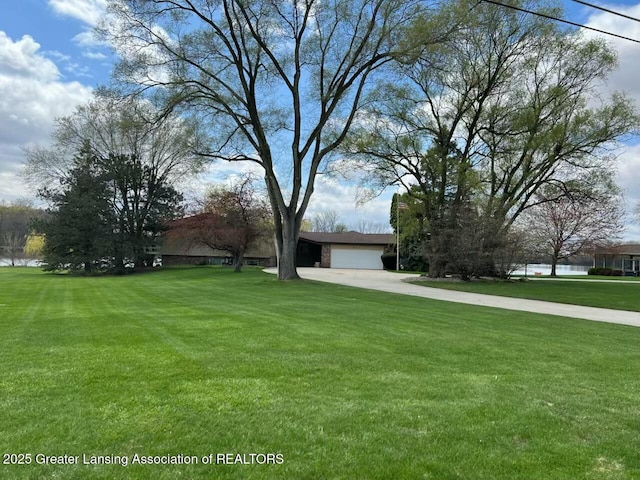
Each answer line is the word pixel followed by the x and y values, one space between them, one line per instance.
pixel 349 238
pixel 622 249
pixel 180 222
pixel 180 244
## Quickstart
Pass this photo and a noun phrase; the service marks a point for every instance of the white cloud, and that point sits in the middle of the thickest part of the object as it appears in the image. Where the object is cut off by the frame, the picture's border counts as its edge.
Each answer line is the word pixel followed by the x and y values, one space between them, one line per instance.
pixel 32 96
pixel 67 64
pixel 626 77
pixel 78 70
pixel 629 180
pixel 87 11
pixel 629 172
pixel 88 39
pixel 333 195
pixel 609 22
pixel 11 186
pixel 59 56
pixel 221 172
pixel 94 55
pixel 218 172
pixel 20 59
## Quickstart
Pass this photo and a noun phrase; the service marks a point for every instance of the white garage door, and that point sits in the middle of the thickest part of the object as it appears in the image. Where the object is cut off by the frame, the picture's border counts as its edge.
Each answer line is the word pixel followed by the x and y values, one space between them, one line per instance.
pixel 343 256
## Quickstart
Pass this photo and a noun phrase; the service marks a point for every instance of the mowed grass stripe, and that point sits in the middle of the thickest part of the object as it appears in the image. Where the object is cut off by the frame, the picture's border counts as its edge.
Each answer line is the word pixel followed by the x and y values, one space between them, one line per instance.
pixel 346 383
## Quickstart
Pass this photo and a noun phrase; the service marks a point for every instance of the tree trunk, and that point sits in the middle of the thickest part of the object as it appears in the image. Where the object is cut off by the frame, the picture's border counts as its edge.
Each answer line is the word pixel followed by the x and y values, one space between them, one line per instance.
pixel 119 262
pixel 437 255
pixel 237 262
pixel 436 266
pixel 288 247
pixel 554 262
pixel 139 255
pixel 287 229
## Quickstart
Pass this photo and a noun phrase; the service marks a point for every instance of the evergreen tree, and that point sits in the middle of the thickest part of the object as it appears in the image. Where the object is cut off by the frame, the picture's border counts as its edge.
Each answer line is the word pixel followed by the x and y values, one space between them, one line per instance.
pixel 79 231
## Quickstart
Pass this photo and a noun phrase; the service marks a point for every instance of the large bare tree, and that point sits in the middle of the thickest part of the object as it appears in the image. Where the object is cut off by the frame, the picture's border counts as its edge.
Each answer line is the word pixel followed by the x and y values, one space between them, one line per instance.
pixel 280 82
pixel 114 126
pixel 562 226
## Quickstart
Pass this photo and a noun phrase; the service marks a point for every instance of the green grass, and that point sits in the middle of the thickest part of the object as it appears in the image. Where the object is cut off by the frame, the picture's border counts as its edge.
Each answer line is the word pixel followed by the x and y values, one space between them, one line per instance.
pixel 618 296
pixel 344 383
pixel 588 277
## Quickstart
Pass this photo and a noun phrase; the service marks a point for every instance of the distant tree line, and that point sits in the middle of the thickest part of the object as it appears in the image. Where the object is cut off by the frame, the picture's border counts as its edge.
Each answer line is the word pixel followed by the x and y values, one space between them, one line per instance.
pixel 329 221
pixel 18 240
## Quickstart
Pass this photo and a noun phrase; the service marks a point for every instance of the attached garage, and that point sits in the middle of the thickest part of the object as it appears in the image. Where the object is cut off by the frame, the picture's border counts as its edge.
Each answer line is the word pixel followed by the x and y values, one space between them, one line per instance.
pixel 342 250
pixel 356 256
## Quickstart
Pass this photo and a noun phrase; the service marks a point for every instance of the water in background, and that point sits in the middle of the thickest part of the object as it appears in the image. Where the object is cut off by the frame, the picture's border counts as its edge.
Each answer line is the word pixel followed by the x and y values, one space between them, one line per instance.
pixel 532 268
pixel 22 262
pixel 545 269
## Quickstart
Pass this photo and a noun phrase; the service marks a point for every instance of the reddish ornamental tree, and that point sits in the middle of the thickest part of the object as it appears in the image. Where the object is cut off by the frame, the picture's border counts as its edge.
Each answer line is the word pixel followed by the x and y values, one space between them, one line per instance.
pixel 232 219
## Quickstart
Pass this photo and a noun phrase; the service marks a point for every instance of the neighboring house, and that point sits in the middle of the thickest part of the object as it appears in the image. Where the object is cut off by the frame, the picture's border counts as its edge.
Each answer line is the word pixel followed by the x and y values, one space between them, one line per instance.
pixel 342 250
pixel 621 257
pixel 179 251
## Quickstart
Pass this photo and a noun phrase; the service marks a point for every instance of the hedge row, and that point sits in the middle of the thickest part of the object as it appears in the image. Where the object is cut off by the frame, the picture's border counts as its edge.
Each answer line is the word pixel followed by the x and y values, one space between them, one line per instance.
pixel 606 271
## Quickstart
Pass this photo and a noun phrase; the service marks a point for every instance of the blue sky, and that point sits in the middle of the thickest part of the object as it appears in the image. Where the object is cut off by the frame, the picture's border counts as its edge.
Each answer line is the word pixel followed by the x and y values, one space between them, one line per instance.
pixel 49 63
pixel 62 28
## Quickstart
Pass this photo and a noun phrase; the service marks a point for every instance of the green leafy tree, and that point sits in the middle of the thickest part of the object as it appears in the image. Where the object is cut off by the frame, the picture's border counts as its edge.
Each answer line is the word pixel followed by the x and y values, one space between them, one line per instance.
pixel 105 212
pixel 306 226
pixel 142 202
pixel 34 247
pixel 479 124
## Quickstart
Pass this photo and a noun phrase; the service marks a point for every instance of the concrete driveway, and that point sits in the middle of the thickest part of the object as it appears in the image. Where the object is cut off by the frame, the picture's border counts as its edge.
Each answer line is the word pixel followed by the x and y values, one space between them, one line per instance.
pixel 393 282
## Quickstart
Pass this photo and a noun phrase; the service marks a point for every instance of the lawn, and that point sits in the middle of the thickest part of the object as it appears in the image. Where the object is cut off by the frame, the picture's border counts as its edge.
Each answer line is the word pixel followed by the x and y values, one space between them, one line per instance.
pixel 591 277
pixel 619 296
pixel 342 383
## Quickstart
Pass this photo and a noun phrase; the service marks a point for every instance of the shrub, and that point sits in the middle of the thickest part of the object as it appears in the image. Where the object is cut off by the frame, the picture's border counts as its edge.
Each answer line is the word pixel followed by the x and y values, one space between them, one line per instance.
pixel 414 263
pixel 388 261
pixel 411 264
pixel 606 271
